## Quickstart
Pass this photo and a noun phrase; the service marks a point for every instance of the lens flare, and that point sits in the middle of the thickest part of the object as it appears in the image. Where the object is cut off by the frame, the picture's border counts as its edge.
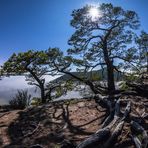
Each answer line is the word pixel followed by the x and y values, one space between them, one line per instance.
pixel 94 13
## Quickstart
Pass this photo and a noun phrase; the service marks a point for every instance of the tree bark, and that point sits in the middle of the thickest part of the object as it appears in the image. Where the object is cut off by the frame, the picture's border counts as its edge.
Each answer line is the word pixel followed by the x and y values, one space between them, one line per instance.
pixel 139 129
pixel 43 97
pixel 96 139
pixel 110 77
pixel 107 136
pixel 40 84
pixel 110 68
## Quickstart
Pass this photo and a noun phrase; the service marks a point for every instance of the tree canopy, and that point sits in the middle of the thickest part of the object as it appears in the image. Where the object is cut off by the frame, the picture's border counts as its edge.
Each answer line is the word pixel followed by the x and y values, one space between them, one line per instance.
pixel 142 42
pixel 30 64
pixel 105 41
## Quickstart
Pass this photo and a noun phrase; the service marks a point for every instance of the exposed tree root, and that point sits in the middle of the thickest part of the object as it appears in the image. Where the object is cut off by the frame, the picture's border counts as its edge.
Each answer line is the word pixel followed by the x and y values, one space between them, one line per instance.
pixel 112 127
pixel 31 133
pixel 141 89
pixel 115 134
pixel 136 141
pixel 4 114
pixel 111 114
pixel 139 130
pixel 96 139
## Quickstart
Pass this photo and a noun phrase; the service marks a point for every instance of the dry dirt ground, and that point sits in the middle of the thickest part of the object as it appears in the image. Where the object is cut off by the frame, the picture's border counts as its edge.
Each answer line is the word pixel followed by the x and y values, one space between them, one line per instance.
pixel 57 123
pixel 5 120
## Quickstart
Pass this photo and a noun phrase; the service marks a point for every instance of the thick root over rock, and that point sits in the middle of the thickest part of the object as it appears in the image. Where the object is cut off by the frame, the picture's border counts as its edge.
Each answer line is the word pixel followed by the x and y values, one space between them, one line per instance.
pixel 113 125
pixel 112 128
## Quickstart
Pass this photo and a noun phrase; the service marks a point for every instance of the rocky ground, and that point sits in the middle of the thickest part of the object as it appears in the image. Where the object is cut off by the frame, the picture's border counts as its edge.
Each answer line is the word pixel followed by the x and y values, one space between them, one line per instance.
pixel 61 124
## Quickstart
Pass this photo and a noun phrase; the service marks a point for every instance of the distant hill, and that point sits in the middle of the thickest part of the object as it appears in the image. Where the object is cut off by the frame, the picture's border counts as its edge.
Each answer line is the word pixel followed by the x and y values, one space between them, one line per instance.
pixel 94 75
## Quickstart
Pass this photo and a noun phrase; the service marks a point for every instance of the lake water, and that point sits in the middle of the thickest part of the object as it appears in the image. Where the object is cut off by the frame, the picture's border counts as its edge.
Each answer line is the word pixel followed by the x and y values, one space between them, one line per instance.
pixel 10 85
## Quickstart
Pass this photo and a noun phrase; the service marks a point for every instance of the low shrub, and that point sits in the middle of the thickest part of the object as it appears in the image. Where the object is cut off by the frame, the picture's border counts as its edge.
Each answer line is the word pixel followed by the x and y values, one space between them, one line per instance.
pixel 21 100
pixel 36 101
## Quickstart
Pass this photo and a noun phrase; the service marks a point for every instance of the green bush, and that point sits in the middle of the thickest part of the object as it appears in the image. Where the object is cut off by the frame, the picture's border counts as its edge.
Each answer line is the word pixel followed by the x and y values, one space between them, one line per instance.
pixel 21 100
pixel 131 78
pixel 36 101
pixel 123 86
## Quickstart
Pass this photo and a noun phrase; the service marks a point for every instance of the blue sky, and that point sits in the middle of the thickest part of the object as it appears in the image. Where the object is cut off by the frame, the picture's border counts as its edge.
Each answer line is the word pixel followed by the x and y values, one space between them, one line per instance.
pixel 40 24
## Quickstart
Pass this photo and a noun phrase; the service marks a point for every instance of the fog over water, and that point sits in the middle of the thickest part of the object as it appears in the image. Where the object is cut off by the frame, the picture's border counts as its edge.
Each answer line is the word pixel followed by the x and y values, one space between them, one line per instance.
pixel 10 85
